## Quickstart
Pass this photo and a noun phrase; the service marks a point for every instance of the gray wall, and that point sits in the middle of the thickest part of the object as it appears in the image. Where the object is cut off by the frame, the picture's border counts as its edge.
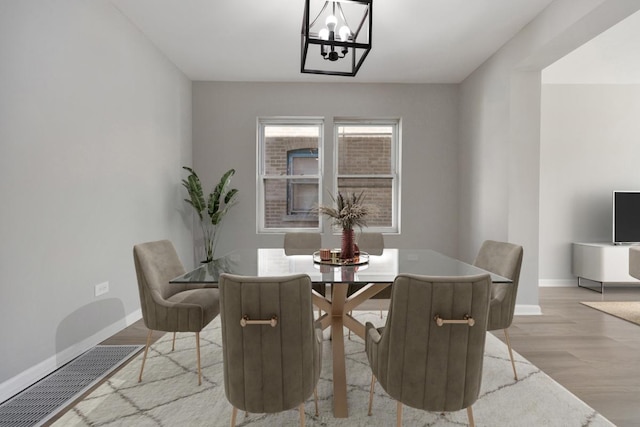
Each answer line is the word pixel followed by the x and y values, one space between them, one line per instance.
pixel 500 126
pixel 589 147
pixel 94 126
pixel 224 136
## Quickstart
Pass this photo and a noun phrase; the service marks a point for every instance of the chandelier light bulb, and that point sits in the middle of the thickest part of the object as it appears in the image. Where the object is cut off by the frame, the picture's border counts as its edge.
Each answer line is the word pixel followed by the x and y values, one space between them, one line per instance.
pixel 331 22
pixel 345 33
pixel 324 34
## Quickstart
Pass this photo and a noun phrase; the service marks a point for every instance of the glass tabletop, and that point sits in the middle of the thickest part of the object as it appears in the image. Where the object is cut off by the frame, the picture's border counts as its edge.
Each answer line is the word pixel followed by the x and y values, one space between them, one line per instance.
pixel 270 262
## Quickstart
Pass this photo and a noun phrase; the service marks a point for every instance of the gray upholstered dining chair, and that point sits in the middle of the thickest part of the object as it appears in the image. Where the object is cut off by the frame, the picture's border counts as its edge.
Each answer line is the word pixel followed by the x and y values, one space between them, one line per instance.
pixel 634 261
pixel 430 353
pixel 371 243
pixel 301 243
pixel 166 306
pixel 503 259
pixel 272 348
pixel 305 243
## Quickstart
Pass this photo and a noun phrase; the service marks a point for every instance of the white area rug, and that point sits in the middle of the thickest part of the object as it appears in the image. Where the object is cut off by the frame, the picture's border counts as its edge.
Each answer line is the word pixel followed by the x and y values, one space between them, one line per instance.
pixel 169 394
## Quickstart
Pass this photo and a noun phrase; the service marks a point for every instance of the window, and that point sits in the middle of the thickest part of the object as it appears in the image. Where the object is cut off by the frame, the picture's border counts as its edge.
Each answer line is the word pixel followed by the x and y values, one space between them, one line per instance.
pixel 367 158
pixel 290 159
pixel 290 173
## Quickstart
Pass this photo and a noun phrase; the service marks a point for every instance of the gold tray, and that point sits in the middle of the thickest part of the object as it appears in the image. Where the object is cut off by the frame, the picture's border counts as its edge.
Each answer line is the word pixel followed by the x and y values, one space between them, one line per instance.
pixel 363 258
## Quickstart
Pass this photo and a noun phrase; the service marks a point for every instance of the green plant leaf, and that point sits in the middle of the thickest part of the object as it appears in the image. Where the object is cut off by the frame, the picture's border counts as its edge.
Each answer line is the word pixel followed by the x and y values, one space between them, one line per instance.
pixel 217 217
pixel 216 198
pixel 211 205
pixel 229 198
pixel 225 180
pixel 194 189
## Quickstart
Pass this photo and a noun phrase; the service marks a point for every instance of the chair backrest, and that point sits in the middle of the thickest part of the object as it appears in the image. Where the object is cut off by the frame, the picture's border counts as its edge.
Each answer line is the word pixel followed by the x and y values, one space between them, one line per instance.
pixel 156 263
pixel 431 367
pixel 302 243
pixel 372 243
pixel 504 259
pixel 268 369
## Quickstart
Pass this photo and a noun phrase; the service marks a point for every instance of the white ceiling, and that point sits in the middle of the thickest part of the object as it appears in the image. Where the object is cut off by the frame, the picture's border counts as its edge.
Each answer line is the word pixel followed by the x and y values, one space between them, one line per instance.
pixel 414 41
pixel 612 57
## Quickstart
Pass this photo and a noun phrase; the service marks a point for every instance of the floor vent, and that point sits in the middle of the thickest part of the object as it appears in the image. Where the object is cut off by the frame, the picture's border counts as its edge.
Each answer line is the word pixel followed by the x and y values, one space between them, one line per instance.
pixel 38 403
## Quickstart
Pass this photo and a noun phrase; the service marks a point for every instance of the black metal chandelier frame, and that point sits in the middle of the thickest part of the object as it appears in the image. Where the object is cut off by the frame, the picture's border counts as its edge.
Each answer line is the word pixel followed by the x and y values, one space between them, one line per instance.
pixel 329 48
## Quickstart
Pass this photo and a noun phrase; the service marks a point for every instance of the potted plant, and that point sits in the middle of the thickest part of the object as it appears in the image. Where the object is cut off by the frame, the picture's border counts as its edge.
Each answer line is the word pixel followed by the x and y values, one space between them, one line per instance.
pixel 349 212
pixel 211 211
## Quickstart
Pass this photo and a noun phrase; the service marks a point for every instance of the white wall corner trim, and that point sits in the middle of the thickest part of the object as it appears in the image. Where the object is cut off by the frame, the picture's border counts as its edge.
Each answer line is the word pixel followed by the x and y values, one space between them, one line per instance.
pixel 527 310
pixel 25 379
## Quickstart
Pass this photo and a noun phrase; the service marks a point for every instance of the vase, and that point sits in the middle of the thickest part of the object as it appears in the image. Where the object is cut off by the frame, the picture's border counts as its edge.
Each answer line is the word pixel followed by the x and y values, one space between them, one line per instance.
pixel 347 274
pixel 346 251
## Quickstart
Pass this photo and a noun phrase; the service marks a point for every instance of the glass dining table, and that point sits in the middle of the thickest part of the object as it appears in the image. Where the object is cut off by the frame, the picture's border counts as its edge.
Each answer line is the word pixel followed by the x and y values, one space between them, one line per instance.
pixel 373 274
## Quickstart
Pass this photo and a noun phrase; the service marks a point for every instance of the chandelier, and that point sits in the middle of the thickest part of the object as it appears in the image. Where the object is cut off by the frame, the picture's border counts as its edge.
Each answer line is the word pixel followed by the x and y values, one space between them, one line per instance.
pixel 342 48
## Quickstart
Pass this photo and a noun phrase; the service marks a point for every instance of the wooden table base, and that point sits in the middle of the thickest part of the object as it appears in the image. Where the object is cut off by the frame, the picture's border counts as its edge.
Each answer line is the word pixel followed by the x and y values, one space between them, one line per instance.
pixel 337 317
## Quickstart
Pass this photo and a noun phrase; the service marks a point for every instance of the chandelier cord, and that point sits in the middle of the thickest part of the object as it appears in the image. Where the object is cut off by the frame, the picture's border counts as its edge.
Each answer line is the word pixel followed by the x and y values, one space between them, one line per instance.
pixel 318 16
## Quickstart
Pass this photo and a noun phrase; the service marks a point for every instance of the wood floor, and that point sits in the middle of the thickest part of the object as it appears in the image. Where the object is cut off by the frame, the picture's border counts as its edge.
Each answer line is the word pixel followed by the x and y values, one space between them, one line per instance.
pixel 594 355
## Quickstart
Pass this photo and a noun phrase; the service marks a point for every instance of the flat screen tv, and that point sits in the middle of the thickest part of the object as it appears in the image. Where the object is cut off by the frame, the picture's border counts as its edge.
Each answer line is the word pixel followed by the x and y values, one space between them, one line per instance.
pixel 626 217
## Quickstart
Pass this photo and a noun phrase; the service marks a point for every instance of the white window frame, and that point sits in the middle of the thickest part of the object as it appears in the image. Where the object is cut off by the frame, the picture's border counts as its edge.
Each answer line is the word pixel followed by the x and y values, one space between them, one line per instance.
pixel 396 165
pixel 262 122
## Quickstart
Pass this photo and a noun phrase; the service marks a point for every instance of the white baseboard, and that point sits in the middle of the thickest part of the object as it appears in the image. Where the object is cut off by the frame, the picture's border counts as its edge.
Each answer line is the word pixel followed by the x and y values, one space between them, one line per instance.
pixel 527 310
pixel 557 283
pixel 23 380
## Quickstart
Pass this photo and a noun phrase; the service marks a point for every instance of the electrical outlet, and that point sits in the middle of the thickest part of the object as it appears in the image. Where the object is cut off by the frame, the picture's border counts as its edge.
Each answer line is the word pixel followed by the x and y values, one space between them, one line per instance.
pixel 102 288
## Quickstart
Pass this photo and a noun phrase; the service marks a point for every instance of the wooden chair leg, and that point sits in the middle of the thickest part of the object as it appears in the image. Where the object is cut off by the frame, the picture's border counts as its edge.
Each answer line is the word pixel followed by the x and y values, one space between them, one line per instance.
pixel 301 410
pixel 373 383
pixel 234 413
pixel 513 364
pixel 399 416
pixel 144 358
pixel 315 398
pixel 198 356
pixel 470 416
pixel 173 344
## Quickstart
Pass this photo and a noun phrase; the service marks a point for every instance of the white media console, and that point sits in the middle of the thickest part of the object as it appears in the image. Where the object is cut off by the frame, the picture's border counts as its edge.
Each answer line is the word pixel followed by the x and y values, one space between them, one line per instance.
pixel 601 262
